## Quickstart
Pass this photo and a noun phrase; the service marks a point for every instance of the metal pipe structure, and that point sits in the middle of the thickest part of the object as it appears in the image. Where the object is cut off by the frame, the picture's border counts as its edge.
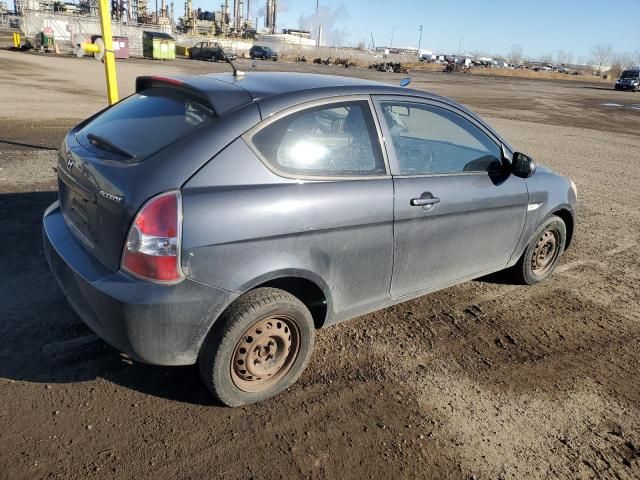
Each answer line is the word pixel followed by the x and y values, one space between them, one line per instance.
pixel 109 57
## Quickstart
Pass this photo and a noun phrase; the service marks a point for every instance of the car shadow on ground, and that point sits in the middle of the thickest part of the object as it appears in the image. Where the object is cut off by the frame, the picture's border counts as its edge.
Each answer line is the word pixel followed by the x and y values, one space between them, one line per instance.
pixel 502 277
pixel 29 145
pixel 39 331
pixel 591 87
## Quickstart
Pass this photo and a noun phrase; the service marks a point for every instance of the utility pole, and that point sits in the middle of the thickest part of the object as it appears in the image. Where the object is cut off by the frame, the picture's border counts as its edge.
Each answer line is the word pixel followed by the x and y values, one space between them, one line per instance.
pixel 393 30
pixel 109 57
pixel 419 40
pixel 318 23
pixel 459 46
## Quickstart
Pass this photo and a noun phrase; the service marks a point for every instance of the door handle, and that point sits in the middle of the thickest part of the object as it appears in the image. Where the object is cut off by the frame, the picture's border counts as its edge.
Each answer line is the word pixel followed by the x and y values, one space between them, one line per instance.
pixel 421 202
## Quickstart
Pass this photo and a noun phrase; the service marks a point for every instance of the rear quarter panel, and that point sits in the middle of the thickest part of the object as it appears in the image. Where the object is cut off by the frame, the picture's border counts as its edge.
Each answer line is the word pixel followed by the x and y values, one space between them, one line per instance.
pixel 244 225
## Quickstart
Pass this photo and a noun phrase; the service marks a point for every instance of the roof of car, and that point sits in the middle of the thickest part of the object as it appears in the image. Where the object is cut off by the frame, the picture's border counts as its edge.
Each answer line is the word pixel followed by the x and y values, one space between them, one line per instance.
pixel 275 91
pixel 267 84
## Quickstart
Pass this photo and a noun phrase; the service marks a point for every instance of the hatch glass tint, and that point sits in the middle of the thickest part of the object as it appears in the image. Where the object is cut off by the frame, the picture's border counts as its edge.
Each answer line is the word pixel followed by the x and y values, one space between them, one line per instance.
pixel 143 123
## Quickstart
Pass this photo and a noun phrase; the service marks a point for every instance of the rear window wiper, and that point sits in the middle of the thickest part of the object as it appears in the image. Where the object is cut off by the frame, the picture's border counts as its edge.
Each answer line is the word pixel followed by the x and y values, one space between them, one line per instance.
pixel 105 144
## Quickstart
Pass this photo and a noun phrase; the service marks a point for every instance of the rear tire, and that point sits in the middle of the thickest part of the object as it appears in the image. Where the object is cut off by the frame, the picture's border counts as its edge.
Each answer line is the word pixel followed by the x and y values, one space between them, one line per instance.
pixel 258 347
pixel 252 56
pixel 542 255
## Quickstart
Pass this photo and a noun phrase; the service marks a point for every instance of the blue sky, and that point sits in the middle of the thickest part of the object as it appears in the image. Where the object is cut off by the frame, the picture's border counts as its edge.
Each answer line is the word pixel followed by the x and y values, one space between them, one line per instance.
pixel 490 26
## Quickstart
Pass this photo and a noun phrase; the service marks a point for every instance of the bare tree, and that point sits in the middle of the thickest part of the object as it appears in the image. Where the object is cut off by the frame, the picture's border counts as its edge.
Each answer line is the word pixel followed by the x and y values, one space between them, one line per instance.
pixel 620 62
pixel 600 56
pixel 546 58
pixel 515 54
pixel 561 57
pixel 570 58
pixel 637 55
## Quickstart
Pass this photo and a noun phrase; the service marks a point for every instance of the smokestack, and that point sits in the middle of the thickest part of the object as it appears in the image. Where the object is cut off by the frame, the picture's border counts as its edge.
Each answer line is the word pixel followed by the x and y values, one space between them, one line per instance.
pixel 270 22
pixel 267 19
pixel 236 9
pixel 274 11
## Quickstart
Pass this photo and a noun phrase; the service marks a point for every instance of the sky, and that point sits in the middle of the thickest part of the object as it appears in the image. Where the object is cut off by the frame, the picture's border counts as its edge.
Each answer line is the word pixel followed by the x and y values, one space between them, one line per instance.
pixel 541 27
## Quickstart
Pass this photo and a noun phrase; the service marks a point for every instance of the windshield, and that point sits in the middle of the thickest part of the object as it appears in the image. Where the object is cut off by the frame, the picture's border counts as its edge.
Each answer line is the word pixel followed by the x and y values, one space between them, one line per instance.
pixel 630 74
pixel 143 123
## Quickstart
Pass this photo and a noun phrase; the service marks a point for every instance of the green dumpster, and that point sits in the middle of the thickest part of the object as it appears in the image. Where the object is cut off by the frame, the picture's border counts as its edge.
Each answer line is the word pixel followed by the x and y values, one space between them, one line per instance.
pixel 158 45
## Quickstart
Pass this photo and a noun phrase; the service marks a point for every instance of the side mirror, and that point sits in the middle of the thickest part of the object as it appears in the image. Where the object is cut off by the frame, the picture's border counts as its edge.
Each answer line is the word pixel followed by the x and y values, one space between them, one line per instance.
pixel 522 165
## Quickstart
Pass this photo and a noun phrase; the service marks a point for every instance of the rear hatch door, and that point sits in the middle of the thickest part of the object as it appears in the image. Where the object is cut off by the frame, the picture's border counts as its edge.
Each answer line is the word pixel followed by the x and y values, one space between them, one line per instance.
pixel 144 145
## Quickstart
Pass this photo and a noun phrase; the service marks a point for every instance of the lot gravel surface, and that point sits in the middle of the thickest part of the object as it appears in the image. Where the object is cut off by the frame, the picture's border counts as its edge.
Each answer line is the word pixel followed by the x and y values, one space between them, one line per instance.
pixel 483 380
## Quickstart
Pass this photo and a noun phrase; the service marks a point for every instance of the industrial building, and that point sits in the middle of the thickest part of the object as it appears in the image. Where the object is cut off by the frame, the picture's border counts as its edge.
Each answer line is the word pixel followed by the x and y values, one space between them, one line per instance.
pixel 73 21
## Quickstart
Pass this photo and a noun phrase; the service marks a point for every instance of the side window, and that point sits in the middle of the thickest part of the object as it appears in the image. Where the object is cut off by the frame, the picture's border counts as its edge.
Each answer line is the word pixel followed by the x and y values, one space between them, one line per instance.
pixel 433 140
pixel 330 140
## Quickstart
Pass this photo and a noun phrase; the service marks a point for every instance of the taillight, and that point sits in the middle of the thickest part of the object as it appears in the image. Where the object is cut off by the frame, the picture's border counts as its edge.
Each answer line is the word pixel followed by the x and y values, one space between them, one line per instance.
pixel 152 249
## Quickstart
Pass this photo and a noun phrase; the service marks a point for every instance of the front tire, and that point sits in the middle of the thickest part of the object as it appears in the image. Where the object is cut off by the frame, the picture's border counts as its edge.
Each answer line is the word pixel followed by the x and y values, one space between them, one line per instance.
pixel 542 255
pixel 258 347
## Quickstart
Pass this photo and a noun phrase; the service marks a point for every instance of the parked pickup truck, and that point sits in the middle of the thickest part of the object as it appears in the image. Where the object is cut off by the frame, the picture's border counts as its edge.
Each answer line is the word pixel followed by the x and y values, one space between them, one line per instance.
pixel 210 51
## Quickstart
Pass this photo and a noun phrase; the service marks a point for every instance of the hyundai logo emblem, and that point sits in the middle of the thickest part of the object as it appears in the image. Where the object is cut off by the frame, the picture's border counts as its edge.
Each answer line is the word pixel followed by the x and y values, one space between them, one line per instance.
pixel 69 160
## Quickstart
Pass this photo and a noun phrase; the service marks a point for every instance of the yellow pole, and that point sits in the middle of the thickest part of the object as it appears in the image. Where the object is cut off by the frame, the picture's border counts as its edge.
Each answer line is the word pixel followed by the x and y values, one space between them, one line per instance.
pixel 109 57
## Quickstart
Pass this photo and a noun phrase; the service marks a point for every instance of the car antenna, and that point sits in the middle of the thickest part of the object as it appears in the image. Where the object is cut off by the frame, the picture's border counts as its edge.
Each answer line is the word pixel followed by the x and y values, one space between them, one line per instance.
pixel 236 72
pixel 405 81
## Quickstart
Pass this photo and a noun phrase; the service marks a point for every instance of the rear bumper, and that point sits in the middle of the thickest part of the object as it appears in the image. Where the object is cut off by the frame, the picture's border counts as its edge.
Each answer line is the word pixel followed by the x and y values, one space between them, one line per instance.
pixel 156 324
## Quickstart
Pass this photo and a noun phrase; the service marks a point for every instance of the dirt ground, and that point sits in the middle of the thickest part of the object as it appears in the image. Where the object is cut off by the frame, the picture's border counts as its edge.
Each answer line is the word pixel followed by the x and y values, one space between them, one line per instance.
pixel 482 380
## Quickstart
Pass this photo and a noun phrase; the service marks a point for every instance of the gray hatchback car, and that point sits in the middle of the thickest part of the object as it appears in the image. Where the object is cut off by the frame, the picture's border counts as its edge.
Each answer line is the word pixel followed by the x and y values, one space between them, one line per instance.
pixel 221 219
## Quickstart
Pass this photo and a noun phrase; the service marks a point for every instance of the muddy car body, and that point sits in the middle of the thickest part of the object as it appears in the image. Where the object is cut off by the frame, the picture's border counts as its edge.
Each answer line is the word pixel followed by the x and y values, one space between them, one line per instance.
pixel 252 210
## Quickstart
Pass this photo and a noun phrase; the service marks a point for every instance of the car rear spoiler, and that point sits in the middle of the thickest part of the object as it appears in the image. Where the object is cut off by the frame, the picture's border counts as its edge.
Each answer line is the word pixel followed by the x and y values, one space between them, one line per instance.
pixel 221 96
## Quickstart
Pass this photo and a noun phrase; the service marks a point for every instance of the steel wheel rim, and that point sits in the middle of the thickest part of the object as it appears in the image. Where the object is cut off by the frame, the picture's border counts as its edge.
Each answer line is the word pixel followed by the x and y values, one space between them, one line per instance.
pixel 545 252
pixel 265 353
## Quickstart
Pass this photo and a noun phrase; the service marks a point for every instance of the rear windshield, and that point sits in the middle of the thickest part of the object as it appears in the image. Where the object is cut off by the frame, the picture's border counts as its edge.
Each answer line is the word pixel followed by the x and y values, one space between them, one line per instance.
pixel 630 74
pixel 143 123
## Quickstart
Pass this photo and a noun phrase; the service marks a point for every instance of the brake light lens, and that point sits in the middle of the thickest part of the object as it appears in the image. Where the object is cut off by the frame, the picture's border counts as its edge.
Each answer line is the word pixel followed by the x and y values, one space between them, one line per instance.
pixel 152 249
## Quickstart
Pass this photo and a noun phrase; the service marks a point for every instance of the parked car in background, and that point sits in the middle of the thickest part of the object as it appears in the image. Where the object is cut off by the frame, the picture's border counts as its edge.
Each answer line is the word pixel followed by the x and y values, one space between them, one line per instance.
pixel 221 222
pixel 265 53
pixel 211 51
pixel 629 80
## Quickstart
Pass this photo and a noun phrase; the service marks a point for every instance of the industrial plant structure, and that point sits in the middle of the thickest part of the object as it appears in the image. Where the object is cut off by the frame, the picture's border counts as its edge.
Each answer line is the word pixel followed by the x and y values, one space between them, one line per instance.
pixel 73 22
pixel 232 19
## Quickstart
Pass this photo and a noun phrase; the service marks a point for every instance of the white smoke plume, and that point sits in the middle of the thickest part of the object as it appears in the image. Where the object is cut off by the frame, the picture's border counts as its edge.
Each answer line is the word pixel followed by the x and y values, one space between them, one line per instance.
pixel 333 33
